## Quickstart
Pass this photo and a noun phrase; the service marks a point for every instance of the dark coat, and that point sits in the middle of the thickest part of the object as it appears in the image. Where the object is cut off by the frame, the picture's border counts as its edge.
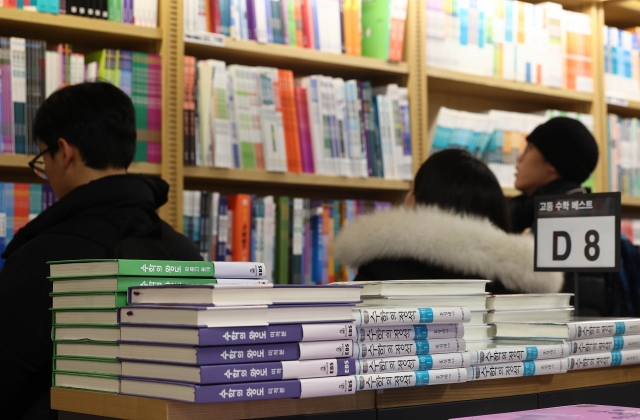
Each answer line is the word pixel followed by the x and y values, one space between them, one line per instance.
pixel 113 217
pixel 429 243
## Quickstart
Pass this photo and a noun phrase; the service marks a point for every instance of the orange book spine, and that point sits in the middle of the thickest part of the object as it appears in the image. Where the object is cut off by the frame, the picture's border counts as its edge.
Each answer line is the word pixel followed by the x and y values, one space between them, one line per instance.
pixel 347 21
pixel 298 17
pixel 396 33
pixel 240 204
pixel 328 257
pixel 289 120
pixel 20 206
pixel 356 15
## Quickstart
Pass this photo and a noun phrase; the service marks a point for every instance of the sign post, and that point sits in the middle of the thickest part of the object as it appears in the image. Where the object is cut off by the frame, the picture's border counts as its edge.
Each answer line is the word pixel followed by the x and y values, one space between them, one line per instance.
pixel 578 233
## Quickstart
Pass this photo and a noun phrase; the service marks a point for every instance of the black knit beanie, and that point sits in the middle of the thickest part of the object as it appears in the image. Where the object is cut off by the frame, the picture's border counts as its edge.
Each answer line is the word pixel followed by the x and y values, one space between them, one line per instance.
pixel 567 145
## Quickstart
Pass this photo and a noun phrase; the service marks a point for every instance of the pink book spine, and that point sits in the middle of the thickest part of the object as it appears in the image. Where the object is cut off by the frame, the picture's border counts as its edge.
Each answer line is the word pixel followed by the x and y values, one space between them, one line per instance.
pixel 302 113
pixel 154 152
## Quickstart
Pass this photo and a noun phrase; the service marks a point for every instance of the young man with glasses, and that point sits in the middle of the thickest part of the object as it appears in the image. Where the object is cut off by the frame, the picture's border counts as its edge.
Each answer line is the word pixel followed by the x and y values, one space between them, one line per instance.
pixel 87 140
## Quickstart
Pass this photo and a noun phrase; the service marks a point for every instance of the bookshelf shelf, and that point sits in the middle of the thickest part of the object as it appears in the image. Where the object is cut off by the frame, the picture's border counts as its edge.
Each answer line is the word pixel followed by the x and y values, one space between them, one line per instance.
pixel 631 202
pixel 469 84
pixel 622 13
pixel 70 29
pixel 302 61
pixel 631 110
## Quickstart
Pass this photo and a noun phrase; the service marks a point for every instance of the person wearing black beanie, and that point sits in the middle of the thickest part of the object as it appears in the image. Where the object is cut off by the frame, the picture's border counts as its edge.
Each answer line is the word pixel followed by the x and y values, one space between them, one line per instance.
pixel 560 155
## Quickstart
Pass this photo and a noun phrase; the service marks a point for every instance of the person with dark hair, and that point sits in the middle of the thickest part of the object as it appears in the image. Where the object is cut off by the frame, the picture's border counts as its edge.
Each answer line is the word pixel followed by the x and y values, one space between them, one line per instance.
pixel 454 225
pixel 560 155
pixel 87 137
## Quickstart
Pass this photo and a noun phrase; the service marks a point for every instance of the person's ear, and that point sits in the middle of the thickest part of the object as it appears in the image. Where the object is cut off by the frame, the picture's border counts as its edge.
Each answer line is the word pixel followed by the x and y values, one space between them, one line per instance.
pixel 553 172
pixel 67 152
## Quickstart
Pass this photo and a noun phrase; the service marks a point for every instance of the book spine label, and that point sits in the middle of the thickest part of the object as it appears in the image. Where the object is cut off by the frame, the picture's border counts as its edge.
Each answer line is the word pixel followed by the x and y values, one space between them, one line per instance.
pixel 250 335
pixel 408 348
pixel 413 363
pixel 248 391
pixel 598 360
pixel 603 329
pixel 396 316
pixel 411 332
pixel 325 387
pixel 604 344
pixel 410 379
pixel 166 268
pixel 513 370
pixel 326 332
pixel 297 369
pixel 519 354
pixel 239 270
pixel 325 349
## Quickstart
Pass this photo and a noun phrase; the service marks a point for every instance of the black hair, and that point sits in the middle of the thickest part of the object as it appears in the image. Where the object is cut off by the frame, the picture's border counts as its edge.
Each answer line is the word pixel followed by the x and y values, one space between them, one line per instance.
pixel 96 117
pixel 455 180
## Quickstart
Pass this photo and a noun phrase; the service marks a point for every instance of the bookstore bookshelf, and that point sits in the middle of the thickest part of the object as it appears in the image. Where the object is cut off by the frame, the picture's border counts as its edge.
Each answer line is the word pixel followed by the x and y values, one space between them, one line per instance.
pixel 429 88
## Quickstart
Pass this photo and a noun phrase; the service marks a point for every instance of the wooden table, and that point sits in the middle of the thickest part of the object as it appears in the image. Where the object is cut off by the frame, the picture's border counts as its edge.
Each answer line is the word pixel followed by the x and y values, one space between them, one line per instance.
pixel 126 407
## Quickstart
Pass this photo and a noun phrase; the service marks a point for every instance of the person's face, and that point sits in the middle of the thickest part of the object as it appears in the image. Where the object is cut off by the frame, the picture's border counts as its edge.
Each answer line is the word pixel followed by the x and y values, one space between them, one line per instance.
pixel 56 168
pixel 533 171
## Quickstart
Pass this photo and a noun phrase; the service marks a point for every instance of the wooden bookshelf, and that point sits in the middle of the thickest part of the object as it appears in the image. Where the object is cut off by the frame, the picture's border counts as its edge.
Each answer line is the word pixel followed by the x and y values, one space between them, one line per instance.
pixel 632 109
pixel 76 30
pixel 498 89
pixel 622 13
pixel 302 61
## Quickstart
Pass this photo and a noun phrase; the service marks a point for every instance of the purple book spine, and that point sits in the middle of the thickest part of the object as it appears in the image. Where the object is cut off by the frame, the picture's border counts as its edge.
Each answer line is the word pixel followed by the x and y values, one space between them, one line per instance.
pixel 247 354
pixel 227 374
pixel 346 366
pixel 248 391
pixel 251 19
pixel 250 335
pixel 127 11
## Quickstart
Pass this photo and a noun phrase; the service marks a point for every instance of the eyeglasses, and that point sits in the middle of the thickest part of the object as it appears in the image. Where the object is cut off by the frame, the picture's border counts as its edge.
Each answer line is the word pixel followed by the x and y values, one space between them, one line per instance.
pixel 38 165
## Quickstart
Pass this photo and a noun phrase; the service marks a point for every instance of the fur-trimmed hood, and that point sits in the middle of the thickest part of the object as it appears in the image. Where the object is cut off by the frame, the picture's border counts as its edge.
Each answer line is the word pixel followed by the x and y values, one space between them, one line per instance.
pixel 465 244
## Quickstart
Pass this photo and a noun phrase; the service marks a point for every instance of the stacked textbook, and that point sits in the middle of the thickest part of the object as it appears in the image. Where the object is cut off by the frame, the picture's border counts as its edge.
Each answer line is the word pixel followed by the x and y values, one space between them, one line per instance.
pixel 507 357
pixel 86 295
pixel 411 333
pixel 217 343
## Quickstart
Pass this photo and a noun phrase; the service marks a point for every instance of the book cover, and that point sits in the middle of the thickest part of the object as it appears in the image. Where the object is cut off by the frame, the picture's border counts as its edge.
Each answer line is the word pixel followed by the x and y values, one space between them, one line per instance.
pixel 236 354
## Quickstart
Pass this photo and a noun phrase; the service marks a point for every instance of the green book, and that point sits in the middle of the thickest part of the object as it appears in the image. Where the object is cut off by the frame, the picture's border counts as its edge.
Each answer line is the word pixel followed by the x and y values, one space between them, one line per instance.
pixel 86 317
pixel 86 348
pixel 87 381
pixel 94 366
pixel 95 300
pixel 85 333
pixel 376 28
pixel 144 268
pixel 291 22
pixel 118 283
pixel 281 269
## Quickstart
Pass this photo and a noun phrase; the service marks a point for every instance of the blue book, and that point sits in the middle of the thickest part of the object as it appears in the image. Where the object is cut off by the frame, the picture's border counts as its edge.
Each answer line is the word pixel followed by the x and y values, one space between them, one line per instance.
pixel 8 206
pixel 408 348
pixel 316 243
pixel 316 27
pixel 267 7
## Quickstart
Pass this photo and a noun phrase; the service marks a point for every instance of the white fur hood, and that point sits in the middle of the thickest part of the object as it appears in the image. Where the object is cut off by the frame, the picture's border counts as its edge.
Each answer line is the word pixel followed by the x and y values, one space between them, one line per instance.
pixel 465 244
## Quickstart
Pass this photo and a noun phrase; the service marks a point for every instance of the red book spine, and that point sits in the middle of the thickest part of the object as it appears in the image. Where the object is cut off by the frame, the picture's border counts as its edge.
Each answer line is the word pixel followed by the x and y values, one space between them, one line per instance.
pixel 21 206
pixel 240 205
pixel 307 25
pixel 217 18
pixel 304 135
pixel 290 120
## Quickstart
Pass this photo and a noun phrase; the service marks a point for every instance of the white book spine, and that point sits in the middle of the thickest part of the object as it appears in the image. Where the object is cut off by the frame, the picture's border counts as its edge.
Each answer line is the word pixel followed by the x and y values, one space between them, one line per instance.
pixel 297 233
pixel 298 369
pixel 325 349
pixel 400 316
pixel 328 122
pixel 409 332
pixel 259 230
pixel 18 85
pixel 517 369
pixel 413 363
pixel 213 220
pixel 326 332
pixel 356 154
pixel 605 344
pixel 579 330
pixel 220 123
pixel 600 360
pixel 341 126
pixel 386 136
pixel 251 78
pixel 241 270
pixel 519 353
pixel 410 379
pixel 234 23
pixel 204 78
pixel 406 162
pixel 269 234
pixel 409 348
pixel 271 120
pixel 311 84
pixel 261 20
pixel 325 387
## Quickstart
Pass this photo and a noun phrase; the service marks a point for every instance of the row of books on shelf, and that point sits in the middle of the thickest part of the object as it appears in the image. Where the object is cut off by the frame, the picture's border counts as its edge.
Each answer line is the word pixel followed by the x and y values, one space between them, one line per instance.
pixel 19 204
pixel 179 335
pixel 535 43
pixel 497 137
pixel 372 28
pixel 293 236
pixel 29 73
pixel 135 12
pixel 261 118
pixel 621 63
pixel 624 155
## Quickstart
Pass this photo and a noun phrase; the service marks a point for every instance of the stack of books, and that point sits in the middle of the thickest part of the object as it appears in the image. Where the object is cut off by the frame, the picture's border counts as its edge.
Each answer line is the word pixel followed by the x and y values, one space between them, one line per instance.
pixel 260 118
pixel 335 26
pixel 221 343
pixel 621 65
pixel 496 137
pixel 86 296
pixel 293 236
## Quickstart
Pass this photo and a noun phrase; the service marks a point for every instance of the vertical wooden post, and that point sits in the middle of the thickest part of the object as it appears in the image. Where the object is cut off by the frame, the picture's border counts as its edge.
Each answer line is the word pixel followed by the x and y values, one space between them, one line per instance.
pixel 172 51
pixel 415 53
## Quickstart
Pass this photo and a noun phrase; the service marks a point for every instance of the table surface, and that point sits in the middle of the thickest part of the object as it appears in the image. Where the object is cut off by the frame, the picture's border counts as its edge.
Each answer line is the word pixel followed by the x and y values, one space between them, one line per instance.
pixel 127 407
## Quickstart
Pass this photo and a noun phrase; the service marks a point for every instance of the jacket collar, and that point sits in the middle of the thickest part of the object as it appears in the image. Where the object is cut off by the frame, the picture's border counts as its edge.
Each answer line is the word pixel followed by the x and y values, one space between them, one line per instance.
pixel 466 244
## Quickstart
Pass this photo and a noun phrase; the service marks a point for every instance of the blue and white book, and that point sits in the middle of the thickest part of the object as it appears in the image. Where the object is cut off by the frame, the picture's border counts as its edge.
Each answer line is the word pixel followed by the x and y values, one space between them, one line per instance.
pixel 514 353
pixel 599 360
pixel 408 348
pixel 413 363
pixel 409 332
pixel 410 379
pixel 604 344
pixel 383 316
pixel 517 369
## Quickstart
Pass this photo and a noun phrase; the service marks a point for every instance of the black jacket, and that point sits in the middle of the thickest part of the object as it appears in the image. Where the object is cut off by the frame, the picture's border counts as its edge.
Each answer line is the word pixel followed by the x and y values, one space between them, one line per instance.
pixel 429 243
pixel 593 291
pixel 113 217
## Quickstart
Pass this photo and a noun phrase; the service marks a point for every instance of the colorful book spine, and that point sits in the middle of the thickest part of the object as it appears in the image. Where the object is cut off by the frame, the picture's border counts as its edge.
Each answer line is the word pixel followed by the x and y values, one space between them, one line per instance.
pixel 412 363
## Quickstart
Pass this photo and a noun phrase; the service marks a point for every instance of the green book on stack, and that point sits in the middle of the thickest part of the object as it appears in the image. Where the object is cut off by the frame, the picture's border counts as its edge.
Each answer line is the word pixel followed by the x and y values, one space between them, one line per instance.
pixel 376 28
